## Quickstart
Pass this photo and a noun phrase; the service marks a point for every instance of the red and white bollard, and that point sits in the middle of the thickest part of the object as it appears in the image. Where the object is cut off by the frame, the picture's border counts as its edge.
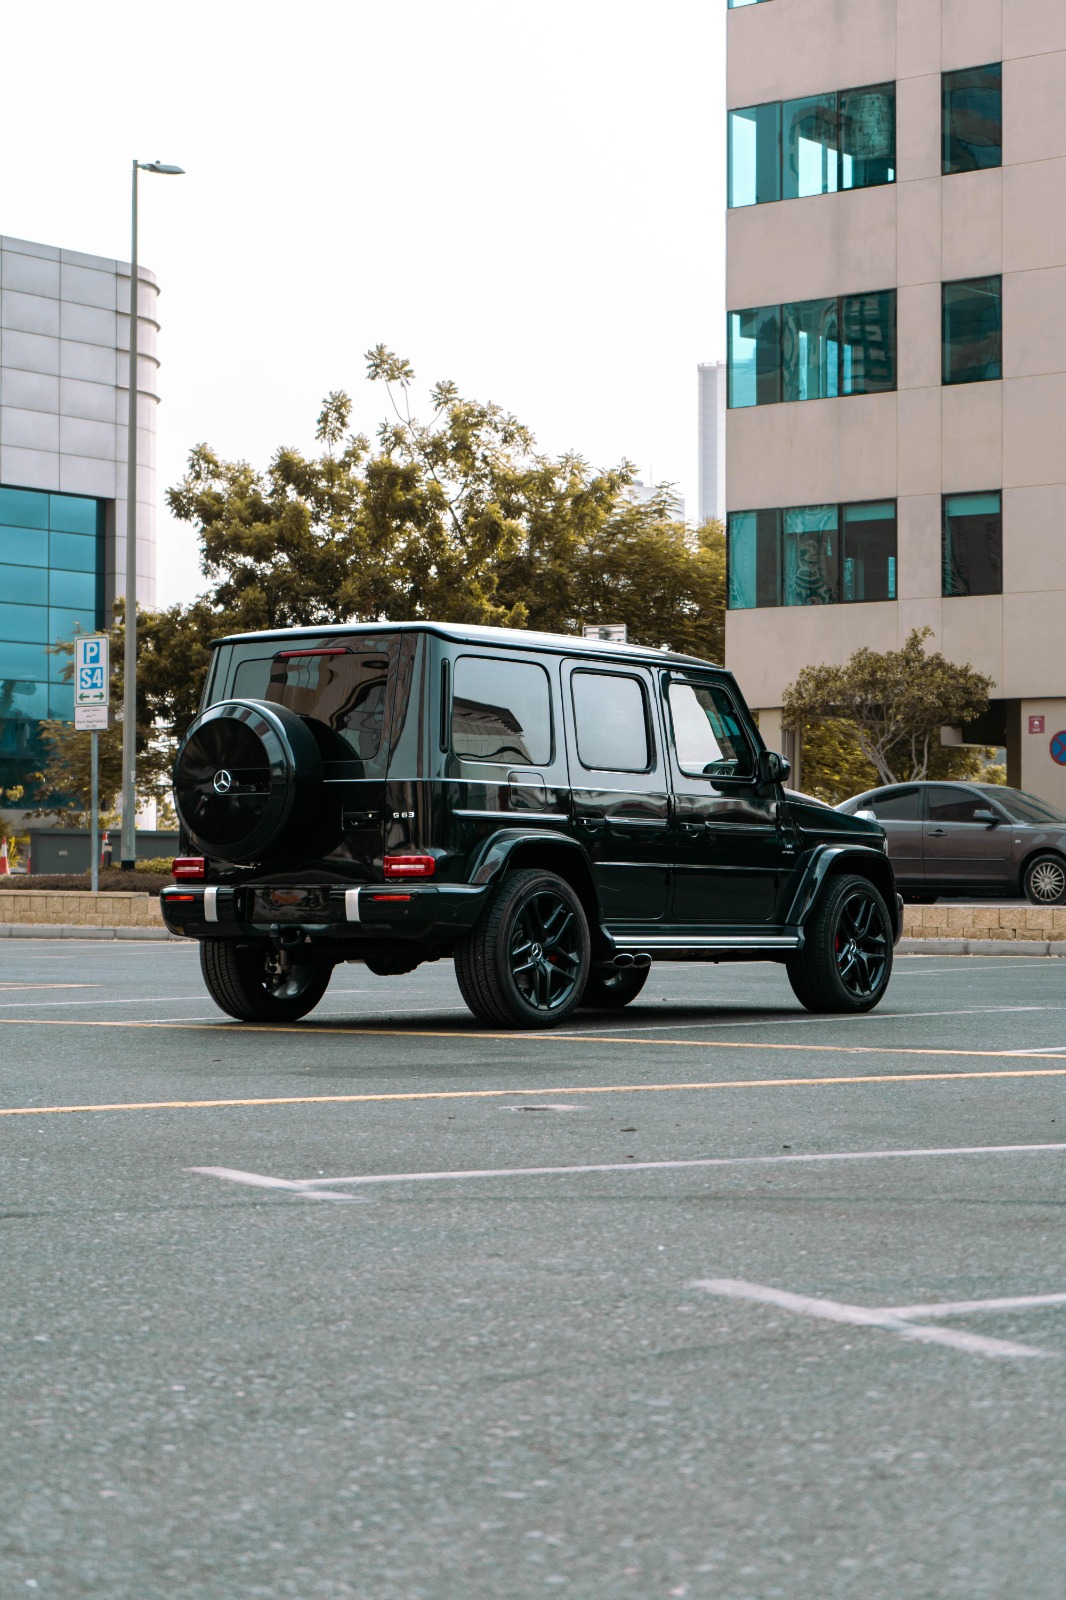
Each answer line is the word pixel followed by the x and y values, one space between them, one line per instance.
pixel 5 864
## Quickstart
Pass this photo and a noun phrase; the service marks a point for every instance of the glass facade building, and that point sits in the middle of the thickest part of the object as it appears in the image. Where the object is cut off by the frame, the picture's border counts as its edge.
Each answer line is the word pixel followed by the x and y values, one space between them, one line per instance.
pixel 51 587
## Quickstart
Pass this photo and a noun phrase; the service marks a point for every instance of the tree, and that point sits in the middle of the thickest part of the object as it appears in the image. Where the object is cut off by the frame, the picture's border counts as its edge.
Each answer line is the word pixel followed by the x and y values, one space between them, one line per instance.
pixel 892 703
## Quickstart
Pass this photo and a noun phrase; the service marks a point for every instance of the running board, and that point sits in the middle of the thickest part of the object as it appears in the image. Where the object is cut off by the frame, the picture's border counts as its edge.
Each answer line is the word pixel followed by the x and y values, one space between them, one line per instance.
pixel 714 941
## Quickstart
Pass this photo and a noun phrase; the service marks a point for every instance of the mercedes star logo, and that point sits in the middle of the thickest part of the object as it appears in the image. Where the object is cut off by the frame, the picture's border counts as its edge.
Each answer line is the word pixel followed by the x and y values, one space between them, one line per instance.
pixel 223 781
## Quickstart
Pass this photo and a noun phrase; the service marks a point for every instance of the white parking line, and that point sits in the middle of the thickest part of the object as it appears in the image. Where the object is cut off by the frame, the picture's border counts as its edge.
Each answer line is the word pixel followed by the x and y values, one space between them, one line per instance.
pixel 314 1188
pixel 862 1317
pixel 959 1308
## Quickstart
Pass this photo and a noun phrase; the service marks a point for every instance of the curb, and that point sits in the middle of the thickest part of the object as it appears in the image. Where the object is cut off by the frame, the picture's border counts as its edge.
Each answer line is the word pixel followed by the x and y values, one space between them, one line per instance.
pixel 981 947
pixel 61 930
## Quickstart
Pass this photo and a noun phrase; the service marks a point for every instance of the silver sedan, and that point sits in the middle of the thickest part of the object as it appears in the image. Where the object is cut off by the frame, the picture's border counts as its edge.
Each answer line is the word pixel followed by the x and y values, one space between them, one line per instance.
pixel 952 838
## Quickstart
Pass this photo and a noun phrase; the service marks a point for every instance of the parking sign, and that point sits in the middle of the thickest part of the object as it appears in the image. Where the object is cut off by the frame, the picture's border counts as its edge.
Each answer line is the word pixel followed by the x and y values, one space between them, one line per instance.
pixel 91 678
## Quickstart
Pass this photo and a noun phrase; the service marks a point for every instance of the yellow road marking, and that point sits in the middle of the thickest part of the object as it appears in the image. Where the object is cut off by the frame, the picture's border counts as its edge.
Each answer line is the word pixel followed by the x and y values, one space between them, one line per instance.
pixel 313 1030
pixel 495 1094
pixel 6 988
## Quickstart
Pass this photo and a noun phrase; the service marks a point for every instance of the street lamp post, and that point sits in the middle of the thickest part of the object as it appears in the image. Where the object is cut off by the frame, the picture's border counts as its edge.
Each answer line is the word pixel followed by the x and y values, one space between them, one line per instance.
pixel 129 693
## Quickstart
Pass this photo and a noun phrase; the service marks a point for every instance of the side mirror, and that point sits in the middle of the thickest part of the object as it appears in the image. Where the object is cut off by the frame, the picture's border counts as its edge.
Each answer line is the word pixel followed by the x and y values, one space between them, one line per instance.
pixel 987 816
pixel 865 815
pixel 773 769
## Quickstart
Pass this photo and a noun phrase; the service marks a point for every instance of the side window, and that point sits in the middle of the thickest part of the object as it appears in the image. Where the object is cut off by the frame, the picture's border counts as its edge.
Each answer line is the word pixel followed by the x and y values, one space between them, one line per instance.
pixel 501 712
pixel 708 739
pixel 897 805
pixel 956 805
pixel 611 721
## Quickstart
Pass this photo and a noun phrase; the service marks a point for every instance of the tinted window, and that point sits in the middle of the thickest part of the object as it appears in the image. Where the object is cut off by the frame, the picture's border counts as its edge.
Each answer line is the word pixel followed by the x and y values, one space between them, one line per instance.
pixel 341 689
pixel 611 719
pixel 708 741
pixel 501 711
pixel 895 805
pixel 957 805
pixel 1025 807
pixel 972 544
pixel 973 118
pixel 973 330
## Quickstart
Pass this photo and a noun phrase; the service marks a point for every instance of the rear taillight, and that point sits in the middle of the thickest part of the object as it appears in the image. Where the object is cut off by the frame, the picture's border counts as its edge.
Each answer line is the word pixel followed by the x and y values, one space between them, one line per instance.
pixel 180 899
pixel 190 868
pixel 410 866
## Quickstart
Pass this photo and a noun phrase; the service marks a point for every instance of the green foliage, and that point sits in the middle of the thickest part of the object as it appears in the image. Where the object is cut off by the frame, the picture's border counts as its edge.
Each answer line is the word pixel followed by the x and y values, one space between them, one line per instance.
pixel 892 704
pixel 457 517
pixel 156 865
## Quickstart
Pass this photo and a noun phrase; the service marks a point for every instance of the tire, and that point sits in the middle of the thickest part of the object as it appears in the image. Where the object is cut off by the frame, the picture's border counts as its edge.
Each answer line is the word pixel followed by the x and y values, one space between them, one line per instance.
pixel 610 991
pixel 846 960
pixel 526 964
pixel 1044 880
pixel 248 784
pixel 240 980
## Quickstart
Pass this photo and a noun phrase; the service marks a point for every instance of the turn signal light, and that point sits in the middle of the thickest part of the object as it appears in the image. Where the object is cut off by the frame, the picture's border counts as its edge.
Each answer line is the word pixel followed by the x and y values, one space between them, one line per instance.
pixel 190 867
pixel 410 866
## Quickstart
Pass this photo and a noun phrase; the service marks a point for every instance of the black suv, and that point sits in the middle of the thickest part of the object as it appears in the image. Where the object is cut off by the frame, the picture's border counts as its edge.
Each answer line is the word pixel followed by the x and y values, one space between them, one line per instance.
pixel 551 813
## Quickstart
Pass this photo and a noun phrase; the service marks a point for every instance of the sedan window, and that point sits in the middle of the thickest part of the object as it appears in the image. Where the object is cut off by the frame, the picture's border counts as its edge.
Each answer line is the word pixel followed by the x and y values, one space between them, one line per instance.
pixel 958 805
pixel 895 805
pixel 1023 807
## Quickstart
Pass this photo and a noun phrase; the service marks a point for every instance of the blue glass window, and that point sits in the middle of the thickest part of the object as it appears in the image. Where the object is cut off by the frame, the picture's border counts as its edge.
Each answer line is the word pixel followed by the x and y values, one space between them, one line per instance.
pixel 755 155
pixel 810 552
pixel 973 544
pixel 810 350
pixel 812 555
pixel 24 546
pixel 868 136
pixel 753 559
pixel 61 701
pixel 73 589
pixel 23 508
pixel 25 586
pixel 23 624
pixel 64 622
pixel 809 146
pixel 973 119
pixel 735 5
pixel 815 145
pixel 70 551
pixel 754 369
pixel 868 343
pixel 21 699
pixel 973 330
pixel 73 513
pixel 23 661
pixel 868 551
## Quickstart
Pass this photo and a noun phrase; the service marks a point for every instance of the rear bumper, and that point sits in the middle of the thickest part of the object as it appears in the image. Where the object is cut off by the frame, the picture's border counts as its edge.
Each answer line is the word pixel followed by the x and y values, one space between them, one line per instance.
pixel 359 917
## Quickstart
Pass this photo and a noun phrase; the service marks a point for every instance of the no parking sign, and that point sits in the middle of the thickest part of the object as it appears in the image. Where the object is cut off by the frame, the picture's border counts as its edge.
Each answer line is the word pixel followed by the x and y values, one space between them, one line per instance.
pixel 1058 748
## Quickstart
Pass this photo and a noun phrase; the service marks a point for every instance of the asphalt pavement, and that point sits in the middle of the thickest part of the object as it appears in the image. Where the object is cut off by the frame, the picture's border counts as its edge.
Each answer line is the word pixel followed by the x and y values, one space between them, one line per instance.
pixel 710 1298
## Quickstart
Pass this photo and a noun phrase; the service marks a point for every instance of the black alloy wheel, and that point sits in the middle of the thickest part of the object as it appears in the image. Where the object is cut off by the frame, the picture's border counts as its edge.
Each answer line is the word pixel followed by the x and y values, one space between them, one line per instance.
pixel 256 983
pixel 1044 881
pixel 846 960
pixel 862 944
pixel 526 963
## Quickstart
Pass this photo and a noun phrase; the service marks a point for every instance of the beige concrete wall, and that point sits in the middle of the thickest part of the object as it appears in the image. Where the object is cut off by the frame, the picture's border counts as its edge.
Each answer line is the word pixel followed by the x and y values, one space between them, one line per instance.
pixel 79 908
pixel 925 440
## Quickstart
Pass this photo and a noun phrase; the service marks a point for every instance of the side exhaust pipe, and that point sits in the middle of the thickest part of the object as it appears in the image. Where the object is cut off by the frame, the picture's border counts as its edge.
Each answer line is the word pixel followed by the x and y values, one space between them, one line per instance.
pixel 626 960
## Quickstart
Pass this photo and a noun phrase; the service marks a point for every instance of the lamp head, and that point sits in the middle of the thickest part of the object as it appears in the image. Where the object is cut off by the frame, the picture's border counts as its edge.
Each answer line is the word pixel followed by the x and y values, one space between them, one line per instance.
pixel 161 167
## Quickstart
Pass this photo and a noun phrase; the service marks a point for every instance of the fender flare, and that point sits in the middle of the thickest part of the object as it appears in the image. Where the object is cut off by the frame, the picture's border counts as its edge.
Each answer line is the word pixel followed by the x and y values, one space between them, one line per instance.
pixel 827 860
pixel 498 851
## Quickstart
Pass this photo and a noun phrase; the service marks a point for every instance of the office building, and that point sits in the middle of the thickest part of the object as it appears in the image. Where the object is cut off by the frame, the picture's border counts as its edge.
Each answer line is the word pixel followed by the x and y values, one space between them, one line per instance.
pixel 712 425
pixel 64 342
pixel 896 360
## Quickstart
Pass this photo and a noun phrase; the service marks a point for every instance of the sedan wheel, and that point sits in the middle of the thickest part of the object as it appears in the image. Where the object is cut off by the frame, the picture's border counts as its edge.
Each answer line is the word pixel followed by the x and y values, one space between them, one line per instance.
pixel 1045 881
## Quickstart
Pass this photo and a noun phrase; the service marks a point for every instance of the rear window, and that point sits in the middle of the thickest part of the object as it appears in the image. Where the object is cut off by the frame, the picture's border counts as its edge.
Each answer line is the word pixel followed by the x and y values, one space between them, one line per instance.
pixel 501 712
pixel 611 722
pixel 898 805
pixel 336 687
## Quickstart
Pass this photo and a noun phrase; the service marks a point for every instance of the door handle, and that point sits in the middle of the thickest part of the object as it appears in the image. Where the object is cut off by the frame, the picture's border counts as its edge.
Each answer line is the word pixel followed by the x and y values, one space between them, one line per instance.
pixel 692 830
pixel 935 833
pixel 591 821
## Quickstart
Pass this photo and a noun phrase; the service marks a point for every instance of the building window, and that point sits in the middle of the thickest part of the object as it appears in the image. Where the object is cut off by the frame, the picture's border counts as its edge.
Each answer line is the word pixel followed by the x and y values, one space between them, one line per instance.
pixel 51 587
pixel 973 544
pixel 973 119
pixel 754 559
pixel 812 555
pixel 812 350
pixel 973 330
pixel 819 144
pixel 735 5
pixel 754 359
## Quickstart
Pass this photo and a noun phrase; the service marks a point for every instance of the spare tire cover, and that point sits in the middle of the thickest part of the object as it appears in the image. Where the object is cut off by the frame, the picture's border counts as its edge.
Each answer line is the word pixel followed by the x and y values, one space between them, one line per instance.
pixel 247 780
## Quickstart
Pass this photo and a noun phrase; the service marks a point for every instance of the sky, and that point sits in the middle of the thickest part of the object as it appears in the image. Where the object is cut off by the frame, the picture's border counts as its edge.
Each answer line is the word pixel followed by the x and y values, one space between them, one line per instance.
pixel 527 198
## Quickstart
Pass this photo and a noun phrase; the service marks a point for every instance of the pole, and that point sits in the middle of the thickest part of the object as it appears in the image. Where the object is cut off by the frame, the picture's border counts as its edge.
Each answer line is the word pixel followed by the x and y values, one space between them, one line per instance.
pixel 129 688
pixel 94 801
